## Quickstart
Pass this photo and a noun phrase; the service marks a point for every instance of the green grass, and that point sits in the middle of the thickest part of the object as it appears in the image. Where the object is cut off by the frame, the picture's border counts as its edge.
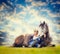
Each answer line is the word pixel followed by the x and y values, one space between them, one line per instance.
pixel 45 50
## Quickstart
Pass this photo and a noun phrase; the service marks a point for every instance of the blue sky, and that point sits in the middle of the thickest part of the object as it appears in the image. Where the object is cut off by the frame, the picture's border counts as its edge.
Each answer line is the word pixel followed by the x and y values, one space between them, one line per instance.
pixel 23 16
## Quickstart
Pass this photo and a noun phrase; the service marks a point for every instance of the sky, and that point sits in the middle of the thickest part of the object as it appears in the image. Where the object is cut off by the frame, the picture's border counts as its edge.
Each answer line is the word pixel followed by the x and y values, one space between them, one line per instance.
pixel 23 16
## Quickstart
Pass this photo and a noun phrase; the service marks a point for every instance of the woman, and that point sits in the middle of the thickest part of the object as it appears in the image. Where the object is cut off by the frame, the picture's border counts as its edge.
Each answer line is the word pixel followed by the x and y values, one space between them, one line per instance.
pixel 34 42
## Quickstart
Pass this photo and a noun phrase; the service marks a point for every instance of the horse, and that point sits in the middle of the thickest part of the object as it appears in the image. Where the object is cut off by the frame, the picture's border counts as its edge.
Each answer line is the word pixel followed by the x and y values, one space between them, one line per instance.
pixel 22 40
pixel 46 41
pixel 19 41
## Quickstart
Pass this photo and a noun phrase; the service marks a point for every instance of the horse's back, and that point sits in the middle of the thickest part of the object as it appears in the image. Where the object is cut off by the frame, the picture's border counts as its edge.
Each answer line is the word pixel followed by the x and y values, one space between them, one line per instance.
pixel 27 38
pixel 19 40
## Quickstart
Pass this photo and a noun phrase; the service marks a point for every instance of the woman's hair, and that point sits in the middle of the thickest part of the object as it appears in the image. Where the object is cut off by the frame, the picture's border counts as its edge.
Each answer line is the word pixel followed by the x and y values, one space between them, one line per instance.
pixel 36 31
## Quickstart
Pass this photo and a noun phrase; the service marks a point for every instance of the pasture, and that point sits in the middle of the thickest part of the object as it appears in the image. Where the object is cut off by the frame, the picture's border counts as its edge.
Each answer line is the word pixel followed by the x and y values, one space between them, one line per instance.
pixel 44 50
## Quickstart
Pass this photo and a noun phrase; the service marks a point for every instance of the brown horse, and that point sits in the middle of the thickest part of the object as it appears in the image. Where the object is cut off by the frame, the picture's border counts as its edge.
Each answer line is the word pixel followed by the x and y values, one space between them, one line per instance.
pixel 22 40
pixel 19 41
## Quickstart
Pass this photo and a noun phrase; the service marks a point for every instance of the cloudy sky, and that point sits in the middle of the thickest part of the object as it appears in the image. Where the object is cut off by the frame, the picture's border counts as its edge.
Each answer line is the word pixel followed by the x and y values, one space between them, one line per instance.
pixel 23 16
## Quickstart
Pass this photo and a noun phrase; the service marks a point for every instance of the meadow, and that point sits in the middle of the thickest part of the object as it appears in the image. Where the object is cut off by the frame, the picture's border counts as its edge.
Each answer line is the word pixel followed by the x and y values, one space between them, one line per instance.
pixel 44 50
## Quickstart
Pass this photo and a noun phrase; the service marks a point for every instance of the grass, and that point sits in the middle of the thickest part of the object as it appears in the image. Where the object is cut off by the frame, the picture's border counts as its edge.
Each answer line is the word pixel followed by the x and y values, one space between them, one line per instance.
pixel 45 50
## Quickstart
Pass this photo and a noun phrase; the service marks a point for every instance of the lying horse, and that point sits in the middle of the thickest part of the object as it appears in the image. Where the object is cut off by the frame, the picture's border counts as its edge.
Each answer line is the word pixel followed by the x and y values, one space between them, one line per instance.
pixel 22 40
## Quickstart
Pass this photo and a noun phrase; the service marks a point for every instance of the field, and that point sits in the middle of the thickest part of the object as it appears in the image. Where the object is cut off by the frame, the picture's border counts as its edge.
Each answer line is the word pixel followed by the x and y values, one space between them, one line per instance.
pixel 45 50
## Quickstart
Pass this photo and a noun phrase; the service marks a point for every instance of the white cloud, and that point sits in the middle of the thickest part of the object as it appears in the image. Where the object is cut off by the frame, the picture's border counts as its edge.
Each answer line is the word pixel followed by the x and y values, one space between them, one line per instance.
pixel 39 3
pixel 1 7
pixel 7 7
pixel 51 14
pixel 28 0
pixel 10 2
pixel 57 2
